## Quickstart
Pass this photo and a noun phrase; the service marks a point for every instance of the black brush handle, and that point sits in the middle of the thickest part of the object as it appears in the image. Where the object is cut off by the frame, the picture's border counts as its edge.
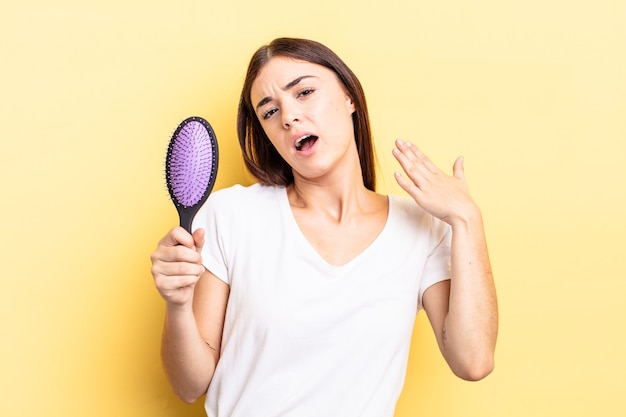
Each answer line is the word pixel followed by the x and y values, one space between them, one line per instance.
pixel 186 215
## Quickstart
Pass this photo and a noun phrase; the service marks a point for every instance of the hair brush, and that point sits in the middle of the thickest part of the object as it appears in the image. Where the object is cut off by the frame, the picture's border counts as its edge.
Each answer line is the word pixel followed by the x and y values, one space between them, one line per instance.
pixel 191 167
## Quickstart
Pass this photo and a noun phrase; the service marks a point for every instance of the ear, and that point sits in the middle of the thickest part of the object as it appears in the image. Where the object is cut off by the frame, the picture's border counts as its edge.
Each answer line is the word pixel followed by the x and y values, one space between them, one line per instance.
pixel 350 104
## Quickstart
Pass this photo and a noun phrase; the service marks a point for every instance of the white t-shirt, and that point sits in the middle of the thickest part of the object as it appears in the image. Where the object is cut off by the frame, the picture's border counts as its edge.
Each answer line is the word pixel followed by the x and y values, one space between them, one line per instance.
pixel 303 338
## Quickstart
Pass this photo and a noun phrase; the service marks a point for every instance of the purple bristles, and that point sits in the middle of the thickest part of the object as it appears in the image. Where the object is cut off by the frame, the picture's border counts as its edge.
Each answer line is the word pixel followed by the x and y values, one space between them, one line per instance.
pixel 190 164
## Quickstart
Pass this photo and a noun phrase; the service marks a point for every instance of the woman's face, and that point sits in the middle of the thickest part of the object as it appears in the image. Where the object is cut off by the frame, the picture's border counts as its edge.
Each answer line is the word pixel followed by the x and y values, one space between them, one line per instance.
pixel 307 114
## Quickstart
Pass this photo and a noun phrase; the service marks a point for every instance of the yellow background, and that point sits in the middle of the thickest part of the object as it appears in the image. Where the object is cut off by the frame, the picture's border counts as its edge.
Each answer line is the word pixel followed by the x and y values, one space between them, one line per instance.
pixel 531 92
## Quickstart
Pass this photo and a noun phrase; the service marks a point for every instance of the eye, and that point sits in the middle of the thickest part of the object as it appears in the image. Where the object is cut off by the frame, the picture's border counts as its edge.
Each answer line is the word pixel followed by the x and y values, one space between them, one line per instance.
pixel 266 115
pixel 305 92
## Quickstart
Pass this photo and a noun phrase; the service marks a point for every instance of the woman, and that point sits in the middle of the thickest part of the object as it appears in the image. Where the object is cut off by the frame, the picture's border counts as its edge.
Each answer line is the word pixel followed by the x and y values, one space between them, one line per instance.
pixel 297 296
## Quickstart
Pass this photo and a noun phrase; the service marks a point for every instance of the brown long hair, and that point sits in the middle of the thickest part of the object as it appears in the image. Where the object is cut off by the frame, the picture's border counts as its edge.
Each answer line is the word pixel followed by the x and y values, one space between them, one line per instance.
pixel 260 156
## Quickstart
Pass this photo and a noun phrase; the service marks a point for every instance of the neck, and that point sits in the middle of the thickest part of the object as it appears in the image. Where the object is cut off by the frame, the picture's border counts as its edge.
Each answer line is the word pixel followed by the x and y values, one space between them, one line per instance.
pixel 338 199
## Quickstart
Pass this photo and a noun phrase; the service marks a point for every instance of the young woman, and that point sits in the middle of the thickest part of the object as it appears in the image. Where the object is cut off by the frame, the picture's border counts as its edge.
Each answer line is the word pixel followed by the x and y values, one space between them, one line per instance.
pixel 297 296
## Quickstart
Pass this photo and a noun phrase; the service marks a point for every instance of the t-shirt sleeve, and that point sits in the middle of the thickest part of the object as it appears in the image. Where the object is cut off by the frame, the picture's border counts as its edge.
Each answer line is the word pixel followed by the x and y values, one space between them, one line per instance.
pixel 437 267
pixel 213 217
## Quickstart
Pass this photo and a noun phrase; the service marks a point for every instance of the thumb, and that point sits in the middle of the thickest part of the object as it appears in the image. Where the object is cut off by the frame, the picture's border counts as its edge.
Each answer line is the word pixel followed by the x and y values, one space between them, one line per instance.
pixel 198 238
pixel 458 170
pixel 177 236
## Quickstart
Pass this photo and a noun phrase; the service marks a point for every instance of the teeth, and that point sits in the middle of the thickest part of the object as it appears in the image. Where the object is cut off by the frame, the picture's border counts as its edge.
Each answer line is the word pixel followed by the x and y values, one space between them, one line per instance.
pixel 300 140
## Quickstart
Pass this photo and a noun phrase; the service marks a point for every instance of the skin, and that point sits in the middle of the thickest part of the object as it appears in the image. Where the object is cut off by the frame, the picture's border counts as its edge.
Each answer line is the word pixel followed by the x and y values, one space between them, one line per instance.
pixel 463 311
pixel 340 217
pixel 195 309
pixel 328 198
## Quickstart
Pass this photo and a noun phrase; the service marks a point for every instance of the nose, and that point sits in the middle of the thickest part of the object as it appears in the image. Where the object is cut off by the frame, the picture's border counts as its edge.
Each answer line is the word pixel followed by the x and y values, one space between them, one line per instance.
pixel 290 116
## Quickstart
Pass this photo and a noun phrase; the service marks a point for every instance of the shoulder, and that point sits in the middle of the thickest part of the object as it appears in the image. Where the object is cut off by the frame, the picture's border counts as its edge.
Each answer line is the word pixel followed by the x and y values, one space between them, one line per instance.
pixel 246 204
pixel 240 194
pixel 406 212
pixel 404 208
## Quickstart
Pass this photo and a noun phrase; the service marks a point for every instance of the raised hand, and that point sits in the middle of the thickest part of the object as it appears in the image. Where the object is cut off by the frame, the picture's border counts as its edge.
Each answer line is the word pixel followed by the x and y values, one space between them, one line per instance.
pixel 445 197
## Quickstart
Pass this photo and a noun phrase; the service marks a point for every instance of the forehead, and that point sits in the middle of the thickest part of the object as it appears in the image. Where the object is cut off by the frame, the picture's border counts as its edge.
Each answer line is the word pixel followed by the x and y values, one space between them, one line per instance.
pixel 278 72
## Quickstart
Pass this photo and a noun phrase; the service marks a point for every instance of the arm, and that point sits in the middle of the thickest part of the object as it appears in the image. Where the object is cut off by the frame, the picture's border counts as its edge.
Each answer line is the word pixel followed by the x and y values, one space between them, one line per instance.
pixel 463 311
pixel 195 309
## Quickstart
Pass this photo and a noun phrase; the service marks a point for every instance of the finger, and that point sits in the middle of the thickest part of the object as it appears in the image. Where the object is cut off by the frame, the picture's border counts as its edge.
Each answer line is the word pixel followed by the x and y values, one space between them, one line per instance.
pixel 415 160
pixel 407 185
pixel 403 182
pixel 177 269
pixel 405 155
pixel 408 151
pixel 416 155
pixel 173 282
pixel 458 168
pixel 172 254
pixel 411 163
pixel 178 236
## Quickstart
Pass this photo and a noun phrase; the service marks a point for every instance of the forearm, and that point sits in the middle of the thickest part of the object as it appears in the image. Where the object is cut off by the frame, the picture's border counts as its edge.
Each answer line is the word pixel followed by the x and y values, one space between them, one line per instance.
pixel 471 325
pixel 188 360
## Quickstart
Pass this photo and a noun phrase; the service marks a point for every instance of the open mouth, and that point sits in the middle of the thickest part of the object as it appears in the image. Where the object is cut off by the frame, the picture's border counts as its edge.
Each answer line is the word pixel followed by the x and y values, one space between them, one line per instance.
pixel 305 142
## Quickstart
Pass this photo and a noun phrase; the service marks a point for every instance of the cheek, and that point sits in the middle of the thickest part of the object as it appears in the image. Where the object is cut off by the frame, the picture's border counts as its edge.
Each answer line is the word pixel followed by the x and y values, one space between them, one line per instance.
pixel 271 129
pixel 343 114
pixel 272 139
pixel 276 138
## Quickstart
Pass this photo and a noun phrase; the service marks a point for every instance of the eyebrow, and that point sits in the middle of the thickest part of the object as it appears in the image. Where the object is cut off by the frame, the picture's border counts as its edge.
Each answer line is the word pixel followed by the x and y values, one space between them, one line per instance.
pixel 289 85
